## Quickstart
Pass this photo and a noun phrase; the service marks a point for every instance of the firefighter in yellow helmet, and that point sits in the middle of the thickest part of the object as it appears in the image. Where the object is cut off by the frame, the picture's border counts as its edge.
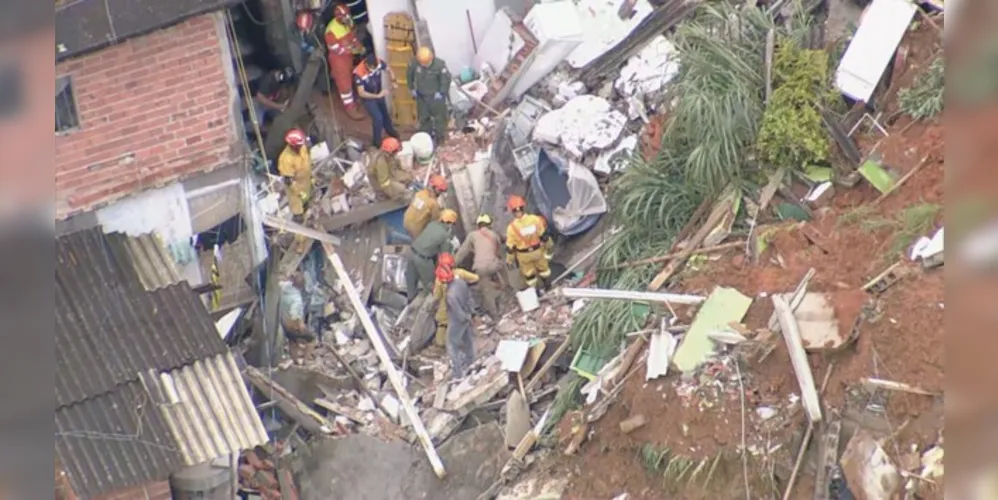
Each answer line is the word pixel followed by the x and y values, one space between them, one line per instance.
pixel 486 248
pixel 528 243
pixel 429 83
pixel 423 252
pixel 295 166
pixel 424 206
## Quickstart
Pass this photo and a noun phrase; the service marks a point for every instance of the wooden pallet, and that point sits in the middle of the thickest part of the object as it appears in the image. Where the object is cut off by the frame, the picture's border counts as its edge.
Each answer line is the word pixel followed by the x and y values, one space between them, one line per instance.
pixel 400 48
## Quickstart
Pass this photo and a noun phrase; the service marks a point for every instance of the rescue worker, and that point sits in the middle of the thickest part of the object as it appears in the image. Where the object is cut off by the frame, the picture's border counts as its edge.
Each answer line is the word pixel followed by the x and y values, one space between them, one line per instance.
pixel 267 94
pixel 528 243
pixel 368 76
pixel 429 82
pixel 485 245
pixel 295 166
pixel 424 206
pixel 423 252
pixel 460 311
pixel 385 172
pixel 342 45
pixel 301 340
pixel 445 272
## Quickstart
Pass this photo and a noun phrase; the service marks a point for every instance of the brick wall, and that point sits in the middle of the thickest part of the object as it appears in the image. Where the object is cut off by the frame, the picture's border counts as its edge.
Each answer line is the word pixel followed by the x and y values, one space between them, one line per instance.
pixel 152 110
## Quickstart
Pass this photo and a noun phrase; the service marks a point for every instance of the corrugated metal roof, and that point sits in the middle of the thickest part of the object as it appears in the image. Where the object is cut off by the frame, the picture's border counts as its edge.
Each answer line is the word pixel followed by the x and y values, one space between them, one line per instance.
pixel 144 384
pixel 149 257
pixel 208 409
pixel 361 251
pixel 110 328
pixel 114 440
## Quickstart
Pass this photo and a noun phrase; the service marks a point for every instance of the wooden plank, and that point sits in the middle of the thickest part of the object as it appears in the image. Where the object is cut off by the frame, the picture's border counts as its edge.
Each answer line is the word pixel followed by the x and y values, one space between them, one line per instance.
pixel 386 362
pixel 798 358
pixel 716 215
pixel 351 413
pixel 274 142
pixel 296 228
pixel 288 403
pixel 360 214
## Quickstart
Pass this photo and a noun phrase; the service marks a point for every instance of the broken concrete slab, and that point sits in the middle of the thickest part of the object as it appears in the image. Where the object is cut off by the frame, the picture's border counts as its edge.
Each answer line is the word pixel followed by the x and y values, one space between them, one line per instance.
pixel 868 470
pixel 819 324
pixel 517 419
pixel 482 392
pixel 362 467
pixel 535 489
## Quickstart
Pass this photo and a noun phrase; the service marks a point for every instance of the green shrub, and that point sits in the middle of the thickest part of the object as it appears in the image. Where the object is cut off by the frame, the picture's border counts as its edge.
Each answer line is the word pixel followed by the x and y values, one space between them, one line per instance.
pixel 792 134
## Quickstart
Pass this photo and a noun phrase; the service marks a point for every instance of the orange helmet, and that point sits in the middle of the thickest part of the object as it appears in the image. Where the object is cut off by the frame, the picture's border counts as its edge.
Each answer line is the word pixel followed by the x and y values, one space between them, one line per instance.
pixel 438 182
pixel 516 203
pixel 444 274
pixel 295 137
pixel 341 10
pixel 445 259
pixel 304 21
pixel 391 145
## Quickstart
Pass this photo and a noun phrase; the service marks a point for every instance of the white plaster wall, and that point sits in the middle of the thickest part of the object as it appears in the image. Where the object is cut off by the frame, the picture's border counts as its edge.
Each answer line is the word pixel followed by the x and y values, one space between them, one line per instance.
pixel 376 11
pixel 447 21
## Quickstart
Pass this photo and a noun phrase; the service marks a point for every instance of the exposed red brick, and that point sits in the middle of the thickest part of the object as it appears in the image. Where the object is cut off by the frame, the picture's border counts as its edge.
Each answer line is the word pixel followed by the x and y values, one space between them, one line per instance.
pixel 163 98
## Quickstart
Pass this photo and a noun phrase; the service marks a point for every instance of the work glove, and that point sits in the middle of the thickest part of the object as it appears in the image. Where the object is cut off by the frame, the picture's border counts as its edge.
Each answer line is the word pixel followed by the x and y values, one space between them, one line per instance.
pixel 438 96
pixel 548 255
pixel 413 93
pixel 510 259
pixel 286 180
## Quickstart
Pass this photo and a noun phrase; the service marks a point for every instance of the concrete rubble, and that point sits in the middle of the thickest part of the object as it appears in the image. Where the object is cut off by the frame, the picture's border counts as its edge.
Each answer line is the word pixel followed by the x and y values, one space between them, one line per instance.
pixel 696 358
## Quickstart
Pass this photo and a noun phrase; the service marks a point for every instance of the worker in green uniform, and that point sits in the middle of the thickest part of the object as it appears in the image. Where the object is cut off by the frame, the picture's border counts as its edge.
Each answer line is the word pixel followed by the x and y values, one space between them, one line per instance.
pixel 422 259
pixel 429 82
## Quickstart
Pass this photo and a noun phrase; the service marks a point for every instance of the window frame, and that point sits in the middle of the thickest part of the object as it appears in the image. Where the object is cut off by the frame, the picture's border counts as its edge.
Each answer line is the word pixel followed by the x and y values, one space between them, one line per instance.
pixel 74 107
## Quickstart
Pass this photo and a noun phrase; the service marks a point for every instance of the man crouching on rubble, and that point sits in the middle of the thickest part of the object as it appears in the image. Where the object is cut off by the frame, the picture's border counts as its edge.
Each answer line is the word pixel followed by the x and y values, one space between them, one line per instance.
pixel 460 310
pixel 301 340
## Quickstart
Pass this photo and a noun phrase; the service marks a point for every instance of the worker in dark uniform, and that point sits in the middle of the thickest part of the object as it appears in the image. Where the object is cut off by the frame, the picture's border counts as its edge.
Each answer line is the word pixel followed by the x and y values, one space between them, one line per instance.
pixel 429 82
pixel 267 98
pixel 421 261
pixel 368 77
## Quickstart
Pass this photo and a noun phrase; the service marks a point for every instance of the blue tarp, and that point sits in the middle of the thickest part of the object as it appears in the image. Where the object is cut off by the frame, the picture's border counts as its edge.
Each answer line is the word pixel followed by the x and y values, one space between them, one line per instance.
pixel 549 190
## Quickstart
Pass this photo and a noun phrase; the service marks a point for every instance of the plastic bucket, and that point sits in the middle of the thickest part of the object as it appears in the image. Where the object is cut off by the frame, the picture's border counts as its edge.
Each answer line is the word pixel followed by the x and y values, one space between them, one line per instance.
pixel 528 299
pixel 422 147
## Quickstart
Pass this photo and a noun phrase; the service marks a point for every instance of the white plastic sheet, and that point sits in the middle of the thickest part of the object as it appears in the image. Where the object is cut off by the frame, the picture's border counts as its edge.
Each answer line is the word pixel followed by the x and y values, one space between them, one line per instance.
pixel 583 124
pixel 649 70
pixel 586 198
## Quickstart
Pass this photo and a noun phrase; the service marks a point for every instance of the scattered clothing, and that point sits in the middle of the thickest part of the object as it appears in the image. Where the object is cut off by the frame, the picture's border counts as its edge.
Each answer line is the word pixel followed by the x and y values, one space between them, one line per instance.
pixel 422 209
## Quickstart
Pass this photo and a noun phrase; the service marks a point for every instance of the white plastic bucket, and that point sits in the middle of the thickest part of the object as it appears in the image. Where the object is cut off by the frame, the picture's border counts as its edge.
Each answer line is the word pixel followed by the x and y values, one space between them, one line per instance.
pixel 422 147
pixel 528 299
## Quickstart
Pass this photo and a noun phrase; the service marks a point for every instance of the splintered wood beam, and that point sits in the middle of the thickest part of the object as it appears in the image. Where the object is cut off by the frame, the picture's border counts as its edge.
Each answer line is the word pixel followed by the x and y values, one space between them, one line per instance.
pixel 386 361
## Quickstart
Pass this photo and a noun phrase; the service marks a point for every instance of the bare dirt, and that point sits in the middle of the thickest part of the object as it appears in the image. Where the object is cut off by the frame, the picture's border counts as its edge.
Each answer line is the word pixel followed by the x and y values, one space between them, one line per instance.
pixel 902 339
